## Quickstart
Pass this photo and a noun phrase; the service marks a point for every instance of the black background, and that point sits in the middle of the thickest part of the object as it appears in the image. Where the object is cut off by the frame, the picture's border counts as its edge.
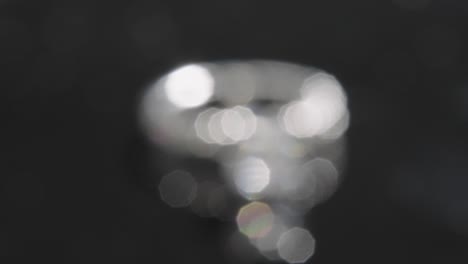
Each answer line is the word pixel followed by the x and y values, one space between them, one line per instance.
pixel 75 181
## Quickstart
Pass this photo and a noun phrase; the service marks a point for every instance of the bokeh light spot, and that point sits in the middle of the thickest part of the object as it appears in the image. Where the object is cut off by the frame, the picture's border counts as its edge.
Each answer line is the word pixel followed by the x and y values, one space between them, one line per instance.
pixel 189 86
pixel 233 124
pixel 302 119
pixel 251 175
pixel 296 245
pixel 178 189
pixel 255 220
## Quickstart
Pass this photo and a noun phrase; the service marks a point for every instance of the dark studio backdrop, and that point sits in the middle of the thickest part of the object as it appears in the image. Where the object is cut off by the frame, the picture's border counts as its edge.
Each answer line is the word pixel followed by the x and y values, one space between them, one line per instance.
pixel 76 178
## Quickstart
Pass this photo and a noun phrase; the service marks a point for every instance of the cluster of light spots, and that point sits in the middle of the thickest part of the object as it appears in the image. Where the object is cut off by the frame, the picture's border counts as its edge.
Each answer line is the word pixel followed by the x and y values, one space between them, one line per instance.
pixel 189 86
pixel 321 107
pixel 251 175
pixel 178 188
pixel 296 245
pixel 276 130
pixel 314 106
pixel 225 126
pixel 255 220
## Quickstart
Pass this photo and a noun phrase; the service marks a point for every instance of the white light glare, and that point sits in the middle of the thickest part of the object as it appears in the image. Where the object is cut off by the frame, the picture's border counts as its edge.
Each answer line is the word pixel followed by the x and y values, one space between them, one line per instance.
pixel 189 86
